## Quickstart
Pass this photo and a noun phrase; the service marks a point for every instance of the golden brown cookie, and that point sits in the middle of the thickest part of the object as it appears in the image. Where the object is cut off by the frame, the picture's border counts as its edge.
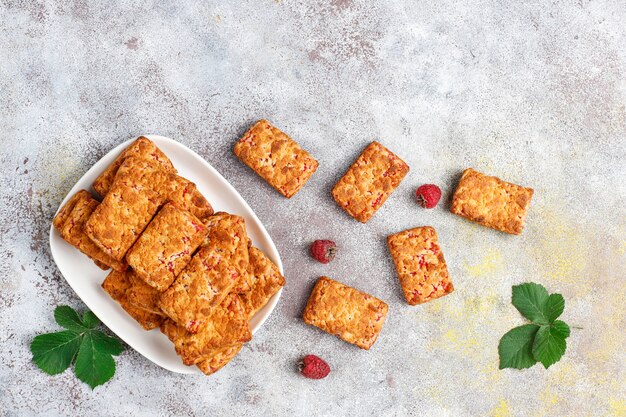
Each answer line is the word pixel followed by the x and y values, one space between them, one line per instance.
pixel 218 359
pixel 226 326
pixel 369 181
pixel 185 195
pixel 67 208
pixel 219 267
pixel 276 157
pixel 491 202
pixel 117 285
pixel 343 311
pixel 142 148
pixel 166 246
pixel 134 198
pixel 71 223
pixel 142 295
pixel 266 280
pixel 420 264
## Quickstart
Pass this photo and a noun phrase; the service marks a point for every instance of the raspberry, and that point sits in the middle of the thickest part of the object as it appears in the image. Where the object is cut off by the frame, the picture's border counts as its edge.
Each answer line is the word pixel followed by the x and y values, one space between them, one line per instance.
pixel 428 195
pixel 324 250
pixel 313 367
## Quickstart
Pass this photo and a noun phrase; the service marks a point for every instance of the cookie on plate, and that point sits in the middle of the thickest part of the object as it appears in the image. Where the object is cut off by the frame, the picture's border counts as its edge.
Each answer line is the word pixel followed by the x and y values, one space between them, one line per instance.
pixel 491 202
pixel 117 284
pixel 185 195
pixel 134 198
pixel 142 148
pixel 266 280
pixel 343 311
pixel 276 157
pixel 420 264
pixel 142 295
pixel 219 267
pixel 67 208
pixel 218 359
pixel 369 181
pixel 70 222
pixel 226 326
pixel 166 246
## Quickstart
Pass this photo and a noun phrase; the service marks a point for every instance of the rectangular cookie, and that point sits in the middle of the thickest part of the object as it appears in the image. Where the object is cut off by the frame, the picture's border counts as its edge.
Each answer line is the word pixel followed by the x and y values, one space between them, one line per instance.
pixel 137 193
pixel 166 246
pixel 266 280
pixel 420 264
pixel 67 208
pixel 491 202
pixel 227 326
pixel 219 267
pixel 117 285
pixel 218 359
pixel 369 181
pixel 186 195
pixel 142 148
pixel 343 311
pixel 70 222
pixel 141 295
pixel 276 157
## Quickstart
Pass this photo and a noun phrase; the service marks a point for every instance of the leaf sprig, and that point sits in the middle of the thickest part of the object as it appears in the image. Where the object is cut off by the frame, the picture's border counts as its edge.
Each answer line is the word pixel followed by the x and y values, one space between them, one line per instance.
pixel 89 349
pixel 543 340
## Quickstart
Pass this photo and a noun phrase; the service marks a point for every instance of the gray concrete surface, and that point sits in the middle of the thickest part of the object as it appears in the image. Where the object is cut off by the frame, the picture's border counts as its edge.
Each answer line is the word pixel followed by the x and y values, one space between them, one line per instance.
pixel 532 91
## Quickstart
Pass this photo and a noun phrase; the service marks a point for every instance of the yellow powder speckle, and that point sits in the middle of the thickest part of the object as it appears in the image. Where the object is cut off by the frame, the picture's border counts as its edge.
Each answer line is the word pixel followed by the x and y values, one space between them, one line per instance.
pixel 451 336
pixel 492 376
pixel 617 407
pixel 606 344
pixel 436 394
pixel 563 252
pixel 489 265
pixel 501 410
pixel 548 400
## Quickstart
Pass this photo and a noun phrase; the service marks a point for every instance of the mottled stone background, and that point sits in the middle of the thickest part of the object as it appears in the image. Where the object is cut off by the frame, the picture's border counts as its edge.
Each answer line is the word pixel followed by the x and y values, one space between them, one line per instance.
pixel 531 91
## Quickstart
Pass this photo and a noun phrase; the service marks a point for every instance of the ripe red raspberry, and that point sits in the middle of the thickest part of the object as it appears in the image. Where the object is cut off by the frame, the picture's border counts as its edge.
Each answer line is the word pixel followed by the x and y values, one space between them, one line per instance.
pixel 324 250
pixel 313 367
pixel 428 195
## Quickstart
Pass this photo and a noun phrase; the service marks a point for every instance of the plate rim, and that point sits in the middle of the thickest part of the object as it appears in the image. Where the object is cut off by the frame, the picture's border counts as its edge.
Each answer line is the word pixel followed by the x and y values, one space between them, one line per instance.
pixel 274 256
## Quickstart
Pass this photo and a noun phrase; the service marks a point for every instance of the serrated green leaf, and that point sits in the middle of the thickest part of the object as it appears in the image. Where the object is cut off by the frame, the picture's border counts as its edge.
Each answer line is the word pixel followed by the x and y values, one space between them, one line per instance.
pixel 515 347
pixel 554 307
pixel 561 328
pixel 66 317
pixel 92 366
pixel 53 352
pixel 530 300
pixel 90 320
pixel 549 345
pixel 106 344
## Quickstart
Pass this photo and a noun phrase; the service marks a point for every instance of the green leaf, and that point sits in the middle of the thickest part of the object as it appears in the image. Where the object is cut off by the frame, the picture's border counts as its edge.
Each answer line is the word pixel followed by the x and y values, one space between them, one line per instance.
pixel 549 345
pixel 66 317
pixel 530 299
pixel 106 344
pixel 554 307
pixel 92 366
pixel 560 328
pixel 515 347
pixel 53 352
pixel 90 320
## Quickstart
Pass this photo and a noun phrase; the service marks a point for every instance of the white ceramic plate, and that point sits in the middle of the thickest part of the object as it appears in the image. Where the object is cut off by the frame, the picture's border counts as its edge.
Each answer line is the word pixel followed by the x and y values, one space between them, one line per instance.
pixel 85 277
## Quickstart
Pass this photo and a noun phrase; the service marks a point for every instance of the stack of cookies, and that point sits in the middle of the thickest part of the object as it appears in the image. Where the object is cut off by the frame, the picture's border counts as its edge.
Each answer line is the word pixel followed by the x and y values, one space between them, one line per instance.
pixel 175 263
